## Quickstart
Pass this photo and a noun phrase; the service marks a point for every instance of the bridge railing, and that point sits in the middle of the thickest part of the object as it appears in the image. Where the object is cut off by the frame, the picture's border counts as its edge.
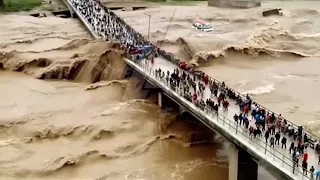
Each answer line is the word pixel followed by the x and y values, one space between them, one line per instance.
pixel 259 144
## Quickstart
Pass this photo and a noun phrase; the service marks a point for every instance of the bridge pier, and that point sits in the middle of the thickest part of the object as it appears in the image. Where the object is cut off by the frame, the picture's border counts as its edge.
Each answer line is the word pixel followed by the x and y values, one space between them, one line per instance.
pixel 70 9
pixel 241 165
pixel 166 103
pixel 182 110
pixel 160 99
pixel 233 162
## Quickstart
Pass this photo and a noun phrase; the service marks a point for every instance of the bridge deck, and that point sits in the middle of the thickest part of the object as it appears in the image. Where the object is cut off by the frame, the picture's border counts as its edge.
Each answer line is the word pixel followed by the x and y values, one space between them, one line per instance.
pixel 275 153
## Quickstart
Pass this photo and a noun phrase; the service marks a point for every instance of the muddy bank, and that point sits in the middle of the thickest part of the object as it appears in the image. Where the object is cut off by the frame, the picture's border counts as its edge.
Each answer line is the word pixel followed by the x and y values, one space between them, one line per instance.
pixel 80 59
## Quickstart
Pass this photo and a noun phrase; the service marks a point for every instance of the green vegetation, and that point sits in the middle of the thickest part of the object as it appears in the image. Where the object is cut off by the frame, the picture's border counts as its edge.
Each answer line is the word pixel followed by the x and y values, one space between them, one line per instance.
pixel 187 0
pixel 172 0
pixel 20 5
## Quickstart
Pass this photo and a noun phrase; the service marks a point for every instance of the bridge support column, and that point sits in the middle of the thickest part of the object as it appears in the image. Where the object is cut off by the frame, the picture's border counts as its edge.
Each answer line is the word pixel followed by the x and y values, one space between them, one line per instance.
pixel 241 165
pixel 70 9
pixel 160 99
pixel 166 103
pixel 233 162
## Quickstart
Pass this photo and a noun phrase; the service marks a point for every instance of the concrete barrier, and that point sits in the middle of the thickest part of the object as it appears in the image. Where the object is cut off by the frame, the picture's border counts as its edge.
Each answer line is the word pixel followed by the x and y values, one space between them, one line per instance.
pixel 272 12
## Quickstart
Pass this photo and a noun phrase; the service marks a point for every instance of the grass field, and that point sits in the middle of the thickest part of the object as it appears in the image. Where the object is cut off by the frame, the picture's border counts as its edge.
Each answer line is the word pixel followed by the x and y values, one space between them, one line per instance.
pixel 20 5
pixel 173 0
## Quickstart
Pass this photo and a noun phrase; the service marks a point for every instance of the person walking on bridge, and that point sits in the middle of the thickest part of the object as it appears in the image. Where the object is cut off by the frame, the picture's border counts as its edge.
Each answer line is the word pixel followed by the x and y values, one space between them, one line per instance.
pixel 296 156
pixel 318 174
pixel 277 137
pixel 235 118
pixel 311 172
pixel 305 138
pixel 284 142
pixel 291 147
pixel 304 167
pixel 251 129
pixel 195 97
pixel 272 141
pixel 266 136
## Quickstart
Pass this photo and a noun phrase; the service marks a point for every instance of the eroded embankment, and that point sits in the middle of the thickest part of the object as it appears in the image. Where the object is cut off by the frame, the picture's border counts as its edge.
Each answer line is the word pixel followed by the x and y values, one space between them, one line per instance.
pixel 80 59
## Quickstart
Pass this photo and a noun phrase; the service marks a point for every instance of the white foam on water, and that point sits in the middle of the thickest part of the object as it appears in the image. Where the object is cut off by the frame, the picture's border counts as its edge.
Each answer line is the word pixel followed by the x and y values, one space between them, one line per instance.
pixel 284 76
pixel 261 90
pixel 242 83
pixel 110 110
pixel 8 142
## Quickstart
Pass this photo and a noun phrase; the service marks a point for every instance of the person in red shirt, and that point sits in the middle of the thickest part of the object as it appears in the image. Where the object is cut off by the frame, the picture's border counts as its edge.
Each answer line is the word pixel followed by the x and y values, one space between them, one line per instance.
pixel 206 79
pixel 183 65
pixel 225 104
pixel 269 128
pixel 195 96
pixel 219 101
pixel 305 156
pixel 268 119
pixel 251 132
pixel 246 109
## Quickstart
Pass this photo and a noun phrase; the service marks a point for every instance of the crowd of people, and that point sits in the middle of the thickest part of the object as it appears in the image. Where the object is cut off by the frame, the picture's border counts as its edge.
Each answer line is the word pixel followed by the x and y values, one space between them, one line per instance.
pixel 276 129
pixel 192 84
pixel 107 24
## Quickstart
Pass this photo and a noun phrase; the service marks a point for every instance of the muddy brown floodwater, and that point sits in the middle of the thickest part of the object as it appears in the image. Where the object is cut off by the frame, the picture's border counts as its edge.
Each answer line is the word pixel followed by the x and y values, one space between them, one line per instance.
pixel 93 126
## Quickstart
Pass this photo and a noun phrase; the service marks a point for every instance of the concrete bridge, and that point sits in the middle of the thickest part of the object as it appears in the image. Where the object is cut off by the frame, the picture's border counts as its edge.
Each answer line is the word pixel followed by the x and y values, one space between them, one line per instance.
pixel 244 150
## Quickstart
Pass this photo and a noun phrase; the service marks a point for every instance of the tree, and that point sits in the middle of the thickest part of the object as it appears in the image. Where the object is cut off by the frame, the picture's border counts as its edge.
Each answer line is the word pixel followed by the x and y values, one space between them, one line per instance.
pixel 1 4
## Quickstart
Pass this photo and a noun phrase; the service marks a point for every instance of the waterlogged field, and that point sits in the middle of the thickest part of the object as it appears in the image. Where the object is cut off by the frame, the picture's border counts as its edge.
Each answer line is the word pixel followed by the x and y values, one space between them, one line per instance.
pixel 21 5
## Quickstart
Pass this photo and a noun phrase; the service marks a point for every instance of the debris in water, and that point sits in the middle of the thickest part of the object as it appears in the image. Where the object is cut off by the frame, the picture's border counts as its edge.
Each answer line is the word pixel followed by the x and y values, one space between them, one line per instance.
pixel 272 12
pixel 38 15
